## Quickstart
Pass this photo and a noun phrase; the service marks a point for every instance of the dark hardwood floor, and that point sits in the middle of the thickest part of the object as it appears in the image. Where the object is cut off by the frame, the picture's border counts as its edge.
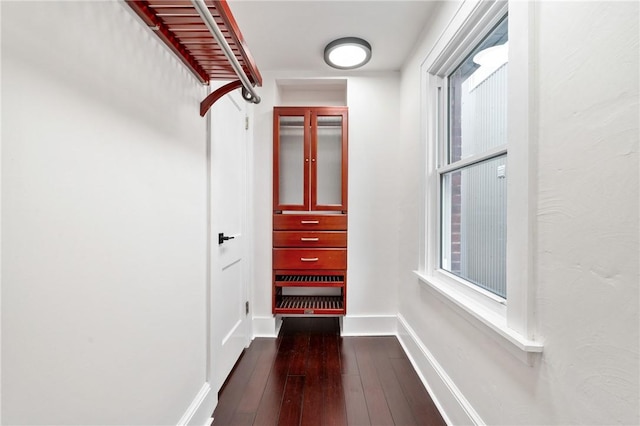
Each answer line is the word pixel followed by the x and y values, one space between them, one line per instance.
pixel 310 375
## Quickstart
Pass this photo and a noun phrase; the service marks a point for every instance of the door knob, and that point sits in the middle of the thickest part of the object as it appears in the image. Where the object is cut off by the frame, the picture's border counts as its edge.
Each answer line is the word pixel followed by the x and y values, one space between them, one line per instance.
pixel 222 238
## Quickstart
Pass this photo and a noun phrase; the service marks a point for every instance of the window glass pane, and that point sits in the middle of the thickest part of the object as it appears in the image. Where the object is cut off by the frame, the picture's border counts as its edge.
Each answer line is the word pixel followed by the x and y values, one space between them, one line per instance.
pixel 477 92
pixel 291 161
pixel 474 224
pixel 329 160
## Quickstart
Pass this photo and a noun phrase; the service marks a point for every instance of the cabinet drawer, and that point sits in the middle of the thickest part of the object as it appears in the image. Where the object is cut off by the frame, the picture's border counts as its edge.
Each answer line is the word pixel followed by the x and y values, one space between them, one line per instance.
pixel 294 258
pixel 310 239
pixel 312 222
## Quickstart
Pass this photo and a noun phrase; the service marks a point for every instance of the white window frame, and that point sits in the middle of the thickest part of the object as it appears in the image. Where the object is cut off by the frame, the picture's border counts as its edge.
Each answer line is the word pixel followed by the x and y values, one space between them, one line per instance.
pixel 511 319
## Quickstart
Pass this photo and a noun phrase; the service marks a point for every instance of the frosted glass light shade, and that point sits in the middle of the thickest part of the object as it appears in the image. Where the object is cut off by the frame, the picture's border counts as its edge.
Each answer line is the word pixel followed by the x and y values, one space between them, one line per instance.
pixel 347 53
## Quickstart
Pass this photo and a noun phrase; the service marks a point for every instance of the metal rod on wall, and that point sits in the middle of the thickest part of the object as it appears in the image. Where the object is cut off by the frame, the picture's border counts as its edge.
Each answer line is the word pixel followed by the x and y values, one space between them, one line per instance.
pixel 204 13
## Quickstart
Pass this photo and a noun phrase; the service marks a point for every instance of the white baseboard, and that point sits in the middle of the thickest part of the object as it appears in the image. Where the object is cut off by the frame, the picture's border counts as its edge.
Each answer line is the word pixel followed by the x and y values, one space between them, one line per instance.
pixel 266 326
pixel 453 406
pixel 201 408
pixel 369 325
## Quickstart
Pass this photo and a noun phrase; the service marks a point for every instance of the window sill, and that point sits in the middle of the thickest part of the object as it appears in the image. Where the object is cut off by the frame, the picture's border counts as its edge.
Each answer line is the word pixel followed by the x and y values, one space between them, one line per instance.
pixel 492 321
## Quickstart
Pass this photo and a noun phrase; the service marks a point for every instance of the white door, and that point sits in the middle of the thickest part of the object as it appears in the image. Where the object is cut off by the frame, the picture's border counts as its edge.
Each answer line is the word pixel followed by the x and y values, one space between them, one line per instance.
pixel 229 274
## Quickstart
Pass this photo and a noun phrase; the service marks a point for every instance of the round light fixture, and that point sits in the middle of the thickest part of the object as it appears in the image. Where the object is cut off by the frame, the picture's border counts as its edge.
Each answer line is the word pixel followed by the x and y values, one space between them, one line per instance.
pixel 347 53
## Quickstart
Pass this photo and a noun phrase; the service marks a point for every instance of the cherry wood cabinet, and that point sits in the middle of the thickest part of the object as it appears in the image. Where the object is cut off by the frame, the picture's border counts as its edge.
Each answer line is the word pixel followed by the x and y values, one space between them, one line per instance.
pixel 309 239
pixel 310 164
pixel 310 222
pixel 310 159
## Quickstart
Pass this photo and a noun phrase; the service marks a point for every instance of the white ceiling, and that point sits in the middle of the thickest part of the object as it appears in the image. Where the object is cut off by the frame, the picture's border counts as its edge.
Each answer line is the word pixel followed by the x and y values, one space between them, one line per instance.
pixel 291 35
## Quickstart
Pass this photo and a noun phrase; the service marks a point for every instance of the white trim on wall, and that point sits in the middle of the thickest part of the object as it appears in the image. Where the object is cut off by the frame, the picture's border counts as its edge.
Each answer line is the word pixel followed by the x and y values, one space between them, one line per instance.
pixel 452 404
pixel 209 291
pixel 361 325
pixel 369 325
pixel 266 326
pixel 200 409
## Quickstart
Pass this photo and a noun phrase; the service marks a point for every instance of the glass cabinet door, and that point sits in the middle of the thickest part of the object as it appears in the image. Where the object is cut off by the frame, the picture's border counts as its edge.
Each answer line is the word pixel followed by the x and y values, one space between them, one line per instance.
pixel 328 160
pixel 310 158
pixel 291 162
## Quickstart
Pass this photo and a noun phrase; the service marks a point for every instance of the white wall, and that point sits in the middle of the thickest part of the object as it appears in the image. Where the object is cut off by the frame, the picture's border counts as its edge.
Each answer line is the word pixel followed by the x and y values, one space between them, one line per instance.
pixel 104 223
pixel 104 219
pixel 587 248
pixel 373 215
pixel 373 199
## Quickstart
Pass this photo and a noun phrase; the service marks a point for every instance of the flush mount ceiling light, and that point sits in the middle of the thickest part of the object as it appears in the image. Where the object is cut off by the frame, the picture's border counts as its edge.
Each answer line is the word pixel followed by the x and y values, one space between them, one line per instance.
pixel 347 53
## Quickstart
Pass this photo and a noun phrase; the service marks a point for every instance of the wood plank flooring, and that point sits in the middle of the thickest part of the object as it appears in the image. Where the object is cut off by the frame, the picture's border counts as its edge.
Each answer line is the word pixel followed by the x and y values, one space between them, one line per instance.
pixel 310 375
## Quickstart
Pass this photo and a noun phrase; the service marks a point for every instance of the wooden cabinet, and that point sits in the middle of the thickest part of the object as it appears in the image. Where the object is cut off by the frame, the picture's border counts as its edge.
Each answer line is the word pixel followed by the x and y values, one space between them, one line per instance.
pixel 310 210
pixel 309 239
pixel 310 159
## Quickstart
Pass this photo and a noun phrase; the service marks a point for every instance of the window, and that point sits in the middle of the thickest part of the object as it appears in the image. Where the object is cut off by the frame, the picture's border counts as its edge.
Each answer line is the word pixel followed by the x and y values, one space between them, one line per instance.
pixel 478 190
pixel 472 172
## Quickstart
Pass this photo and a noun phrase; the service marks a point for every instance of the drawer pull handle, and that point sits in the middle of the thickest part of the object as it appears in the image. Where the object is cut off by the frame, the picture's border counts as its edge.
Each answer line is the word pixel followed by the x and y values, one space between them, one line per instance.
pixel 309 222
pixel 308 259
pixel 309 239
